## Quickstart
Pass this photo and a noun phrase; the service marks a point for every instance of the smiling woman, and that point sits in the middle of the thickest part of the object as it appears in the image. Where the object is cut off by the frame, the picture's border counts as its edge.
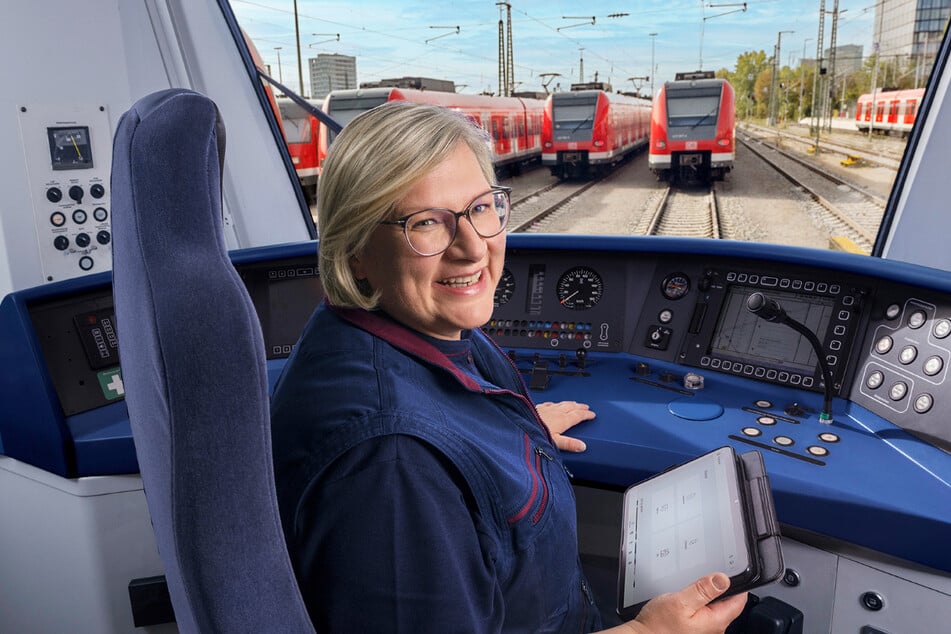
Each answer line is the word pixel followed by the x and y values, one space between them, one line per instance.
pixel 476 523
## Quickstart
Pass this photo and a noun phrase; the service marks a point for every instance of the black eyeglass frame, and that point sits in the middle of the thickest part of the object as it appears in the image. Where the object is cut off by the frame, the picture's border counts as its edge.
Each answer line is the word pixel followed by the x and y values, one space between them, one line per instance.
pixel 402 222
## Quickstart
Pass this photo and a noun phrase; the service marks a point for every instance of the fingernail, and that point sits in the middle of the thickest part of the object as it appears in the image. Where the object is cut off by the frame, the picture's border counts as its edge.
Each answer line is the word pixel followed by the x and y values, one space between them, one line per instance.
pixel 721 582
pixel 580 446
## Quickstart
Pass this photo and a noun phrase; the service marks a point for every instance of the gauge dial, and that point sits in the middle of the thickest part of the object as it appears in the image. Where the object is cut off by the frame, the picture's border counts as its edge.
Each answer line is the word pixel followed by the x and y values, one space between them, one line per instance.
pixel 580 288
pixel 505 288
pixel 70 148
pixel 675 285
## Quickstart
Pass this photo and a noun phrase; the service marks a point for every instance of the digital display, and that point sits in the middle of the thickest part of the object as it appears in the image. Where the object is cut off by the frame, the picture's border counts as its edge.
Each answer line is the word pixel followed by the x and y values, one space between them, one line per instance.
pixel 70 148
pixel 291 301
pixel 284 295
pixel 742 336
pixel 681 525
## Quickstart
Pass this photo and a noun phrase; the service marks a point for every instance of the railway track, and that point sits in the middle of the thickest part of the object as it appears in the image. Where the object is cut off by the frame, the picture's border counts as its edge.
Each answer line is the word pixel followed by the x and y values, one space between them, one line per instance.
pixel 882 155
pixel 685 213
pixel 848 211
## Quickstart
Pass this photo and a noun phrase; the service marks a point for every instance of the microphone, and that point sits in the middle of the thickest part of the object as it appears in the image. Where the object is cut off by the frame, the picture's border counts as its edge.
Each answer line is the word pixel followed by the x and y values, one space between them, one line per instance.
pixel 770 310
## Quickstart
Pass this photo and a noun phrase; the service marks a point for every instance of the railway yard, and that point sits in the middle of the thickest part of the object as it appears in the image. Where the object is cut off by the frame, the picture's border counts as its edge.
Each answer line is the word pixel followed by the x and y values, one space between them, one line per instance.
pixel 781 191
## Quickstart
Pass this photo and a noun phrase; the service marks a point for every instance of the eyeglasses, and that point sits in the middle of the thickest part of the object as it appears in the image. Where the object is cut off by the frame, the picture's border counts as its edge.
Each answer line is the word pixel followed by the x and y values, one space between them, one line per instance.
pixel 431 231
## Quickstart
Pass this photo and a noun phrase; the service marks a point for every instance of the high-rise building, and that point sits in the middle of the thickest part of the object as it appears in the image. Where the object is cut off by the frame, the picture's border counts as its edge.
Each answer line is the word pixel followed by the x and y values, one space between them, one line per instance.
pixel 331 71
pixel 910 29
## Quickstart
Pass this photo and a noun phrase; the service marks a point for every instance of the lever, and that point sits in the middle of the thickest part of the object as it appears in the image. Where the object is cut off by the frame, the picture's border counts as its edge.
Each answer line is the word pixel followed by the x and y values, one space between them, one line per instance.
pixel 770 309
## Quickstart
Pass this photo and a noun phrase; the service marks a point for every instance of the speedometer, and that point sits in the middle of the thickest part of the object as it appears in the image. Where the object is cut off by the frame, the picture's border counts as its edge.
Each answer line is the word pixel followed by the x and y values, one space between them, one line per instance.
pixel 580 288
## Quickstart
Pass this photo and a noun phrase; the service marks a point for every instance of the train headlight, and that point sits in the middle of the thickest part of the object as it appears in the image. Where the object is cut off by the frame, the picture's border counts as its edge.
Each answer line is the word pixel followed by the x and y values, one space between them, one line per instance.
pixel 723 142
pixel 599 143
pixel 548 145
pixel 660 144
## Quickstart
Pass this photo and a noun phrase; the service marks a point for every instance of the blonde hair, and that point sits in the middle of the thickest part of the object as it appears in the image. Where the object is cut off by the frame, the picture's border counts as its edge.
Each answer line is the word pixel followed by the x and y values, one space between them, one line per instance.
pixel 370 167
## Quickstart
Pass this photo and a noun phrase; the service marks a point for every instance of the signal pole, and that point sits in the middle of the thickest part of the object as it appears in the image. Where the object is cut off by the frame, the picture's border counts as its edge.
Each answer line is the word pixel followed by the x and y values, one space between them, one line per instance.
pixel 506 58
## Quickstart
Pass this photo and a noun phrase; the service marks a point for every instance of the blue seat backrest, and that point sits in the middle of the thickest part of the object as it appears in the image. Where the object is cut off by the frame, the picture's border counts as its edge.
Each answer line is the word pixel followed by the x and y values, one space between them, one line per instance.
pixel 193 364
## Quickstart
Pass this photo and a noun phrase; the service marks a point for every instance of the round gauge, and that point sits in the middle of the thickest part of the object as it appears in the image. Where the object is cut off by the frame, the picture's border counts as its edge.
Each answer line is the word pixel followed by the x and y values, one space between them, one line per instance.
pixel 580 288
pixel 505 288
pixel 675 285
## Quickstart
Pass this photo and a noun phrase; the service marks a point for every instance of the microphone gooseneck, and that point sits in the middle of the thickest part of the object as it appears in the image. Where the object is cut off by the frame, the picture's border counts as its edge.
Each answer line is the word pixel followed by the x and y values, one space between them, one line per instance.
pixel 771 310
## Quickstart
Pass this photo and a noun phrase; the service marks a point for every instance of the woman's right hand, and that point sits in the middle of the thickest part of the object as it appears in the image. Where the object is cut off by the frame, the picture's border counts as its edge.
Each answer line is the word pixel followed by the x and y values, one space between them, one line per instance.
pixel 688 611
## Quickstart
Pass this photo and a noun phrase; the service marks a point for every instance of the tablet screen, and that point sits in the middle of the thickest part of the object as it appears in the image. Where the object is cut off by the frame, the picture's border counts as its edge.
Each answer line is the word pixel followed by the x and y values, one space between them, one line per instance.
pixel 681 525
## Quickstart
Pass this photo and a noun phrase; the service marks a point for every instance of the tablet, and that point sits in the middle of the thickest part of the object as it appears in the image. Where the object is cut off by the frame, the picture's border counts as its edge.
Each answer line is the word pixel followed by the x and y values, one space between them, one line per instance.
pixel 693 520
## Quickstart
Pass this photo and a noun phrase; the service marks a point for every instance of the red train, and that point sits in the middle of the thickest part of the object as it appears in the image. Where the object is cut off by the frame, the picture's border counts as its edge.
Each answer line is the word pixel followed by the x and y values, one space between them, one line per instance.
pixel 894 111
pixel 514 123
pixel 693 129
pixel 589 130
pixel 300 132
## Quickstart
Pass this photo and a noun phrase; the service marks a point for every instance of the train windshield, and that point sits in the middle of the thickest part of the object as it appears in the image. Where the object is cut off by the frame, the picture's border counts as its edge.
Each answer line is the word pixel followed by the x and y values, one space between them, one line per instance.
pixel 689 107
pixel 344 109
pixel 296 122
pixel 829 94
pixel 573 114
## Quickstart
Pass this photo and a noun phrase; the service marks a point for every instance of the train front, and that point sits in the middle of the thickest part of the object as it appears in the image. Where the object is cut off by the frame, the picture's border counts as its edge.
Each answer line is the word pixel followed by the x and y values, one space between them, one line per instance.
pixel 569 132
pixel 693 124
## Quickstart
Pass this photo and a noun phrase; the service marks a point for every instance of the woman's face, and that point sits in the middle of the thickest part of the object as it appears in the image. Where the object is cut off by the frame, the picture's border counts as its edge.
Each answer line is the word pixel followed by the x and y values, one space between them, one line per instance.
pixel 443 294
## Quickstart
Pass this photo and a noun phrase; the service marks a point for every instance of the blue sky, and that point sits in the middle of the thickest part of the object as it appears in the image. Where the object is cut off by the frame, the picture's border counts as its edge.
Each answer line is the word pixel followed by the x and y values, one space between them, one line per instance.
pixel 389 38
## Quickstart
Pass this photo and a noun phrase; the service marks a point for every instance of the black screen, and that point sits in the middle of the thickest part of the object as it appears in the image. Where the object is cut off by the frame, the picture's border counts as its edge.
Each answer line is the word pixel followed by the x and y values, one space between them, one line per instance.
pixel 742 336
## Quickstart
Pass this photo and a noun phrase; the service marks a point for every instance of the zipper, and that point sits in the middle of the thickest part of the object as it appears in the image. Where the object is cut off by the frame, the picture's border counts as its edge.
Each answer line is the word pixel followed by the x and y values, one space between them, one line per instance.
pixel 539 454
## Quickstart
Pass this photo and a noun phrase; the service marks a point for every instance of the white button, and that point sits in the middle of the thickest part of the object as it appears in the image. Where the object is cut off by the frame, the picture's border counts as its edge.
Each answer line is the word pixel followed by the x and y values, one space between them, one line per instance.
pixel 898 391
pixel 907 354
pixel 883 345
pixel 933 365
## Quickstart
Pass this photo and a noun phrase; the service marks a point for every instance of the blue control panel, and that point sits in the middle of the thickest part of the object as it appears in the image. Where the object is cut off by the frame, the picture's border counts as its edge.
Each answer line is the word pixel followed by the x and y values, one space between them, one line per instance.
pixel 652 333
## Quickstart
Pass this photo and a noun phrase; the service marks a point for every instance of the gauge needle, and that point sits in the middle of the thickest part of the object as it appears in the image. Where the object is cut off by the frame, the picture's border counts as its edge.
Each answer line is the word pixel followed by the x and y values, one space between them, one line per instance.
pixel 569 297
pixel 73 139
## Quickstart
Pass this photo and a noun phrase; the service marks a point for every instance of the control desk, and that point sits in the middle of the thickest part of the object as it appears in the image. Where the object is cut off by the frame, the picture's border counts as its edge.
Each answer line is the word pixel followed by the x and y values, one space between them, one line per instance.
pixel 653 333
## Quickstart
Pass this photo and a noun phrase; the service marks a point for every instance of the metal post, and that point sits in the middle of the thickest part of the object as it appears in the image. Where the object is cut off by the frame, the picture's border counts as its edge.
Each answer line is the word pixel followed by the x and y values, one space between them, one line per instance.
pixel 300 67
pixel 280 75
pixel 802 77
pixel 813 119
pixel 653 37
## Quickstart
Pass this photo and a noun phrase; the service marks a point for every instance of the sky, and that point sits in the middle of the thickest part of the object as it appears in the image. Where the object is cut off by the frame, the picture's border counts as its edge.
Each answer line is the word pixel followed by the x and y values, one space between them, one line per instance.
pixel 395 38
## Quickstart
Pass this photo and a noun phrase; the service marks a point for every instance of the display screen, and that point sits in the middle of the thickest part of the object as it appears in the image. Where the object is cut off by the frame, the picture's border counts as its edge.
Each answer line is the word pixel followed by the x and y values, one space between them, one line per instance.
pixel 742 336
pixel 681 525
pixel 285 294
pixel 290 304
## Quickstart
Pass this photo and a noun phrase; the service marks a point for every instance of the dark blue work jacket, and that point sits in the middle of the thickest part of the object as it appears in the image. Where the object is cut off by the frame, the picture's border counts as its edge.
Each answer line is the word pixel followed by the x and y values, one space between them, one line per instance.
pixel 415 497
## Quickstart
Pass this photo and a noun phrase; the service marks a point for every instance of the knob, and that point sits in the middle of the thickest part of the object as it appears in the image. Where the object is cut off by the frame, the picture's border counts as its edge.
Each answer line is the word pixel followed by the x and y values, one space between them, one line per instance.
pixel 82 240
pixel 642 369
pixel 873 601
pixel 693 381
pixel 791 578
pixel 97 190
pixel 54 194
pixel 76 193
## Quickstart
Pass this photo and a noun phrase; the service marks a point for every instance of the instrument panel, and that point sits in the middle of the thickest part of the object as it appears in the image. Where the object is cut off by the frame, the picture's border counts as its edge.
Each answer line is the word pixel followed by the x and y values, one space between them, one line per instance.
pixel 886 342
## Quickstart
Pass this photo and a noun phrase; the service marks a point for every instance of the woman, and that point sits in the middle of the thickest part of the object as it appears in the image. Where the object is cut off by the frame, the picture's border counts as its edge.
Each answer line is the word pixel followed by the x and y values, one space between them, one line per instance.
pixel 420 488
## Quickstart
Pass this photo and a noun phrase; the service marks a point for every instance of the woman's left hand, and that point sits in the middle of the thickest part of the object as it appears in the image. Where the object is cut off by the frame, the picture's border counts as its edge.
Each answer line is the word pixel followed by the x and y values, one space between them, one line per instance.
pixel 562 416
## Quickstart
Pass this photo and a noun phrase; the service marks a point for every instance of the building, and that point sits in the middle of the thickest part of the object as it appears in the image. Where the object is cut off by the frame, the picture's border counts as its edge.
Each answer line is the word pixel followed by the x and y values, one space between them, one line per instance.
pixel 848 59
pixel 331 71
pixel 911 30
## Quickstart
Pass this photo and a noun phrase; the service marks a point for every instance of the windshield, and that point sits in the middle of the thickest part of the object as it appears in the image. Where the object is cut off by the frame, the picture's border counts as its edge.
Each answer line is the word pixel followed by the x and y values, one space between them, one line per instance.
pixel 823 99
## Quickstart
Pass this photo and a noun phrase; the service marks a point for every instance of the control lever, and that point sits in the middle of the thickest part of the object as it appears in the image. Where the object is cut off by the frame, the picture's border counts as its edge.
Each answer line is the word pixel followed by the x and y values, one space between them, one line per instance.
pixel 770 310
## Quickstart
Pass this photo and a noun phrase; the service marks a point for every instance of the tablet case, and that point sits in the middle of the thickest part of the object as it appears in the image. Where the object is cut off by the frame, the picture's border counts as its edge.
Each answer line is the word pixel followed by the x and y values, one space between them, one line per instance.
pixel 759 512
pixel 763 526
